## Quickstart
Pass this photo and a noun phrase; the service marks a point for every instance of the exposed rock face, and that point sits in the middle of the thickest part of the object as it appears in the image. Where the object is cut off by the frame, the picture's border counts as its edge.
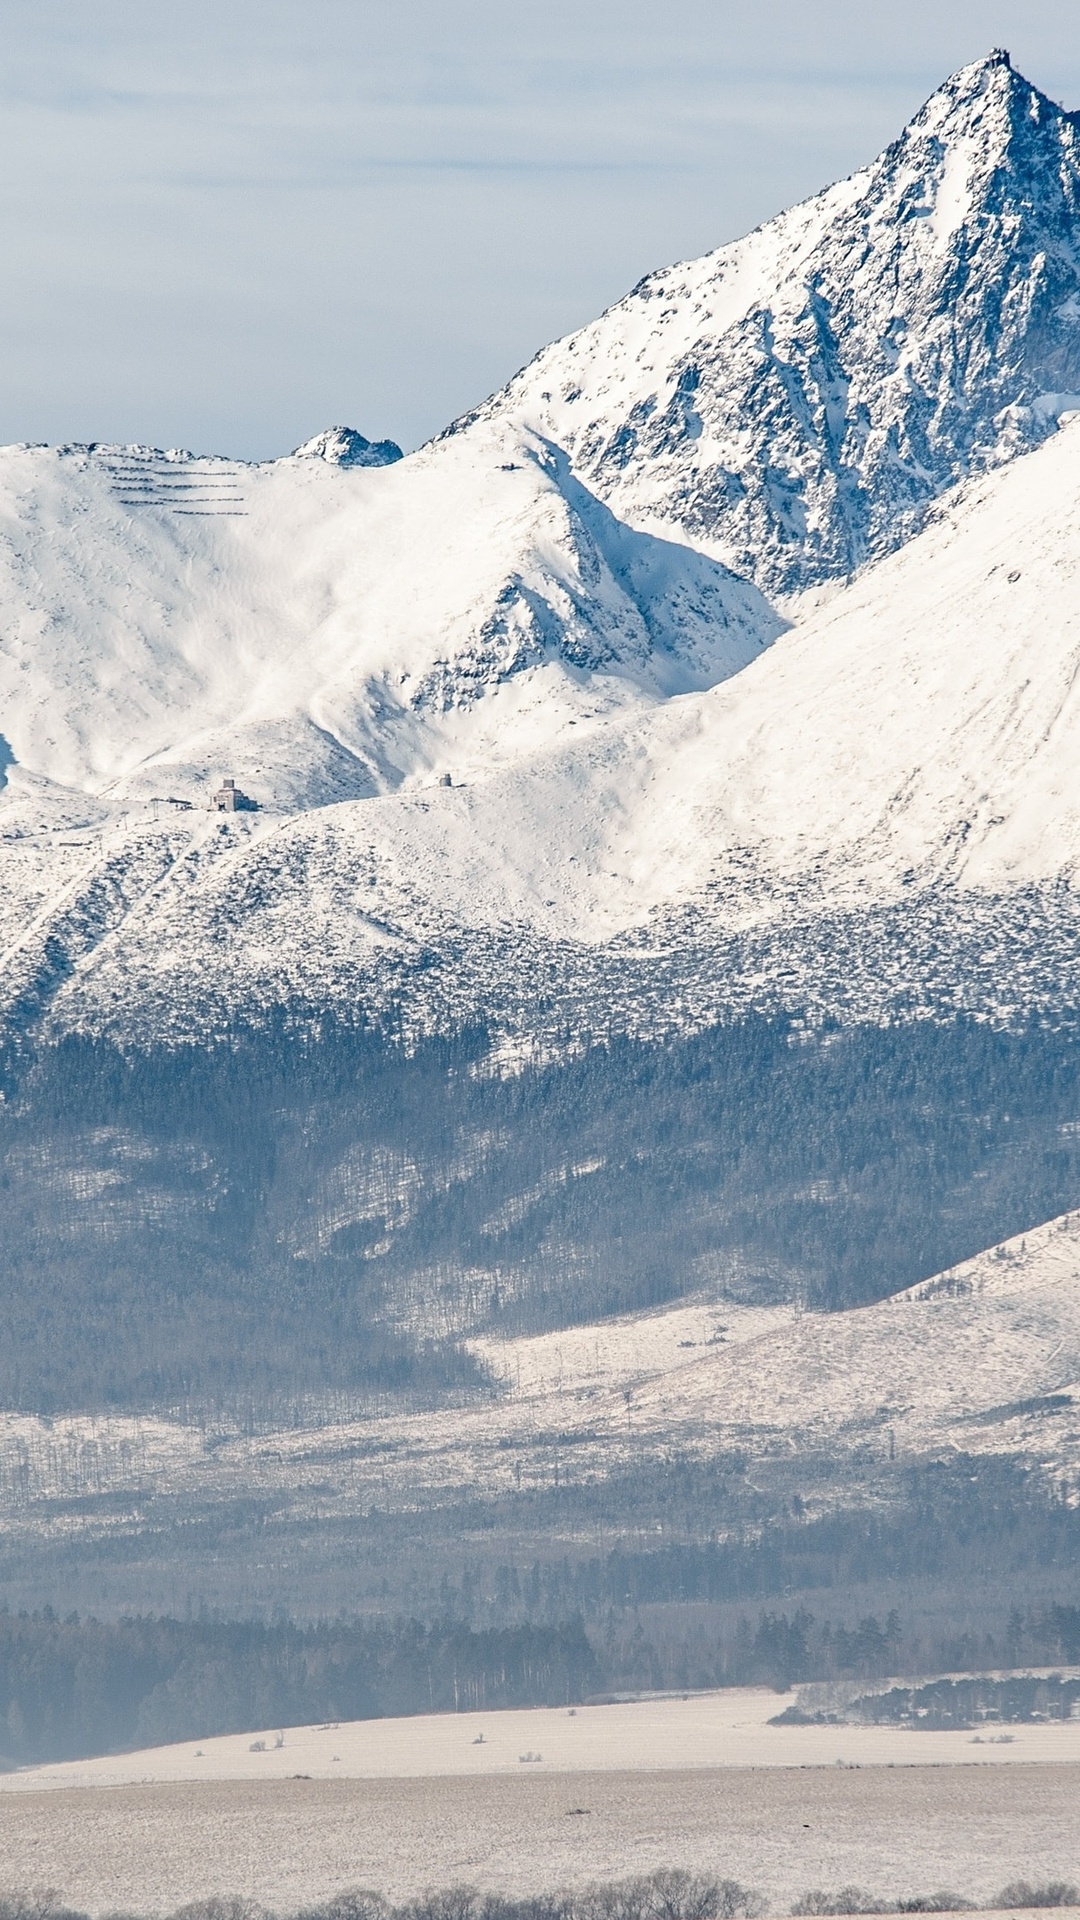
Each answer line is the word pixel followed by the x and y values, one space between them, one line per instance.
pixel 794 402
pixel 344 447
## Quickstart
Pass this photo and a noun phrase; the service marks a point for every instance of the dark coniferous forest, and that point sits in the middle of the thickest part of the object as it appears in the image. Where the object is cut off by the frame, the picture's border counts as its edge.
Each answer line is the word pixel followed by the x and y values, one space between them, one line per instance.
pixel 242 1226
pixel 72 1687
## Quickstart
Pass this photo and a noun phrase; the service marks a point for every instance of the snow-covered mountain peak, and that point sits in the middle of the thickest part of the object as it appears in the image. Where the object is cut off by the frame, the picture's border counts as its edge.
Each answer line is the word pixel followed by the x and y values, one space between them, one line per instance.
pixel 793 402
pixel 506 613
pixel 986 146
pixel 326 632
pixel 905 758
pixel 344 447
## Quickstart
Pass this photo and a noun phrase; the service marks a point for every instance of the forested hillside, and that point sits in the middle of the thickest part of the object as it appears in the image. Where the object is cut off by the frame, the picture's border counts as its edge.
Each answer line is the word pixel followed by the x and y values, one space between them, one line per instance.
pixel 288 1214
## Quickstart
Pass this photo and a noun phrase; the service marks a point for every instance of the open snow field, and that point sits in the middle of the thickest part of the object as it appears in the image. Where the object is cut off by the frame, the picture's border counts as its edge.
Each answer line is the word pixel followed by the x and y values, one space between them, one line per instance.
pixel 702 1782
pixel 894 1830
pixel 729 1728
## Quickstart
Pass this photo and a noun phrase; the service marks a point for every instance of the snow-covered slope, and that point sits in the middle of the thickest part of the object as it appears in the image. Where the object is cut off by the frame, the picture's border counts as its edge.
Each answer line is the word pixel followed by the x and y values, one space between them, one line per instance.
pixel 986 1355
pixel 794 401
pixel 331 633
pixel 916 741
pixel 322 630
pixel 923 727
pixel 982 1360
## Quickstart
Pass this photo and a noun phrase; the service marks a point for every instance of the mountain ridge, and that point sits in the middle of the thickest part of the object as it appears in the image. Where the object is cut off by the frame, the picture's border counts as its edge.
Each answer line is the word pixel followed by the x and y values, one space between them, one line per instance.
pixel 794 401
pixel 167 615
pixel 907 752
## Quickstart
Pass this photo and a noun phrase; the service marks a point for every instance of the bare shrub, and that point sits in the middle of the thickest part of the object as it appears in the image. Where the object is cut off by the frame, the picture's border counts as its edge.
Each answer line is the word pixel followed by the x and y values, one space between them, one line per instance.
pixel 442 1903
pixel 353 1903
pixel 628 1899
pixel 845 1900
pixel 675 1894
pixel 36 1903
pixel 735 1902
pixel 1052 1893
pixel 940 1902
pixel 538 1906
pixel 669 1893
pixel 222 1907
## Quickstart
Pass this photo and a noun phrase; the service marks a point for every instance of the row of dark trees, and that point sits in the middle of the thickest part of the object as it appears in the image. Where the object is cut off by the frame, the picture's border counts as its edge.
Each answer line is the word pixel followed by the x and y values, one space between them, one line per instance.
pixel 967 1702
pixel 74 1687
pixel 781 1649
pixel 964 1523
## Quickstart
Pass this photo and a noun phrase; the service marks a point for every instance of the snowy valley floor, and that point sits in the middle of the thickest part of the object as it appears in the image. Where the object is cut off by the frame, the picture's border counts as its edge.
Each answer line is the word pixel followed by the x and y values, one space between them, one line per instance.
pixel 726 1728
pixel 899 1816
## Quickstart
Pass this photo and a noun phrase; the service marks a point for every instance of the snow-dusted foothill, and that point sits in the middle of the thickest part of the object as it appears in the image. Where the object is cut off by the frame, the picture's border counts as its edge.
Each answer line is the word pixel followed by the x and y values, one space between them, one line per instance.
pixel 982 1361
pixel 793 402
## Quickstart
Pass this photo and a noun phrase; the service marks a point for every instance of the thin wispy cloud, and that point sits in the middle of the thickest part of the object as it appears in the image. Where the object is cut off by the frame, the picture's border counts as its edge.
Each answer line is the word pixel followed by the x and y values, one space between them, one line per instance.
pixel 228 224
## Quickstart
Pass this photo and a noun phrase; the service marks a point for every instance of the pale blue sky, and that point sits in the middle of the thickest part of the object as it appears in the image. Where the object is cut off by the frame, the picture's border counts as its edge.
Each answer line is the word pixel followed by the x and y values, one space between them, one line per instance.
pixel 225 224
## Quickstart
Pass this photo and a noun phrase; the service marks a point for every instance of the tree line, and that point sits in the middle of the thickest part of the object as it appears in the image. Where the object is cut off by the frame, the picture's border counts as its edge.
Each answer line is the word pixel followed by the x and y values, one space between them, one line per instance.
pixel 70 1687
pixel 668 1893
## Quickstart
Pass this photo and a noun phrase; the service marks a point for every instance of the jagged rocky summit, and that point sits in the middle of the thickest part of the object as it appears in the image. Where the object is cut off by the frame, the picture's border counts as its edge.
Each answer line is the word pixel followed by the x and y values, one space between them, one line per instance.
pixel 794 403
pixel 344 447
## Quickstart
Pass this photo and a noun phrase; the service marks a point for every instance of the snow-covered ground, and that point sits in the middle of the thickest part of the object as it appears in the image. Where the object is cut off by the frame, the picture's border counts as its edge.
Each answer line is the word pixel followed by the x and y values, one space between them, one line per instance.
pixel 631 760
pixel 729 1728
pixel 981 1360
pixel 794 401
pixel 897 1830
pixel 325 631
pixel 915 739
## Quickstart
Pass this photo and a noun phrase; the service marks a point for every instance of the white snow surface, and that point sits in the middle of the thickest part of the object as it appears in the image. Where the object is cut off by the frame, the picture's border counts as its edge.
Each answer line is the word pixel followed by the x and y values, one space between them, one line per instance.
pixel 729 1728
pixel 833 1816
pixel 631 739
pixel 795 400
pixel 917 733
pixel 983 1359
pixel 323 630
pixel 922 727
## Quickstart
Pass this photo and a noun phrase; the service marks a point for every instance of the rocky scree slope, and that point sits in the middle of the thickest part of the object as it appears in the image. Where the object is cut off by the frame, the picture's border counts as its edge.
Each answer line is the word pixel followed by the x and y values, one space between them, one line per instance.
pixel 795 401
